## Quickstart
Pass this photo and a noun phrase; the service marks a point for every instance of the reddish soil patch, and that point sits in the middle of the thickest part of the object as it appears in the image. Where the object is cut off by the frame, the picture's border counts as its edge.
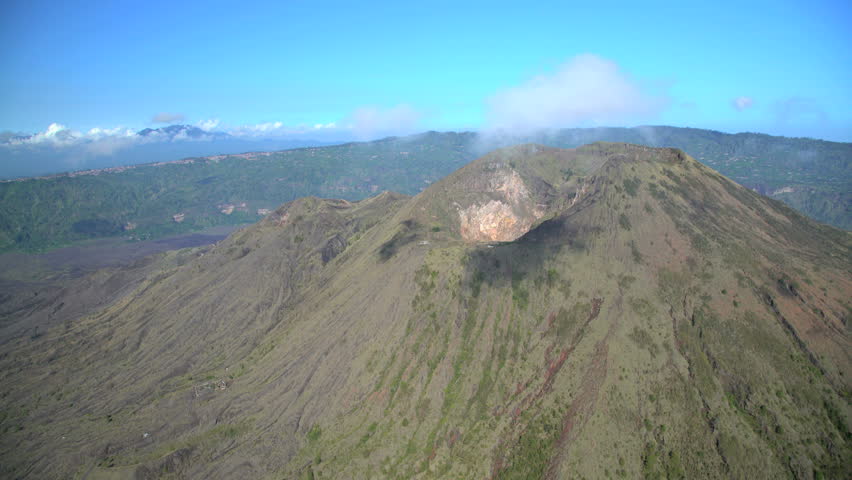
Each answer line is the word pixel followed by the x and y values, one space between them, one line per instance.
pixel 553 366
pixel 379 397
pixel 551 318
pixel 581 408
pixel 453 437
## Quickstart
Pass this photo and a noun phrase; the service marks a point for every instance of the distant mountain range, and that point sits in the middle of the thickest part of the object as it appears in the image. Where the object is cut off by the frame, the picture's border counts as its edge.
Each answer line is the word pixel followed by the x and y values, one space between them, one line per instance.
pixel 23 156
pixel 140 202
pixel 10 139
pixel 169 133
pixel 610 311
pixel 173 132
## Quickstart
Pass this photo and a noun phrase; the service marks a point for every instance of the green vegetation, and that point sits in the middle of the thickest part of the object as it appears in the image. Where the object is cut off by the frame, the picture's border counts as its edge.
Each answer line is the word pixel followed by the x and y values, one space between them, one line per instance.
pixel 631 186
pixel 531 457
pixel 381 347
pixel 314 433
pixel 139 203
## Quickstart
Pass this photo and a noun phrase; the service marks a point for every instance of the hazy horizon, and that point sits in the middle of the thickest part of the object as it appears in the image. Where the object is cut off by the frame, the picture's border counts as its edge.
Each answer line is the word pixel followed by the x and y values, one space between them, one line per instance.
pixel 82 79
pixel 25 160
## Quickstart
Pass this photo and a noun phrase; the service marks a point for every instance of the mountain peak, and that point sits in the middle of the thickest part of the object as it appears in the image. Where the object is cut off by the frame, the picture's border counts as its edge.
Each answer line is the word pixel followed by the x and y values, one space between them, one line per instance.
pixel 502 195
pixel 538 313
pixel 172 132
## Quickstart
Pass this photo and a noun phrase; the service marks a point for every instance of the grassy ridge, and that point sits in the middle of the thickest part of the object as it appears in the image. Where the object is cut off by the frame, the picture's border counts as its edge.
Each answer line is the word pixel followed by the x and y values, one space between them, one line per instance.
pixel 659 322
pixel 812 176
pixel 38 214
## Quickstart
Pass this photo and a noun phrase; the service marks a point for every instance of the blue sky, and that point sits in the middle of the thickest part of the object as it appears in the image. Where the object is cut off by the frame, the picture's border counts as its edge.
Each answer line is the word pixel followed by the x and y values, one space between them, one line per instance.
pixel 378 67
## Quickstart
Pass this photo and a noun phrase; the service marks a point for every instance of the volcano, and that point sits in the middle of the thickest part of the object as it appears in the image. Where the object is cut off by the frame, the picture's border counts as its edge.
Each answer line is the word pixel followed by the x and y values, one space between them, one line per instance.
pixel 610 311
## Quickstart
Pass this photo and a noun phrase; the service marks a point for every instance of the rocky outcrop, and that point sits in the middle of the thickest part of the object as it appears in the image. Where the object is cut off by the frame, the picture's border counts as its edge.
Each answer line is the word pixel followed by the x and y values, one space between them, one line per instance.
pixel 494 221
pixel 504 218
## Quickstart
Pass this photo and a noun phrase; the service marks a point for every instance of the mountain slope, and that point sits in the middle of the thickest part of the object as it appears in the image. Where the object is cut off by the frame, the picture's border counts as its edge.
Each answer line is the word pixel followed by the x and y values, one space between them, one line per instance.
pixel 58 151
pixel 140 201
pixel 613 310
pixel 173 132
pixel 812 176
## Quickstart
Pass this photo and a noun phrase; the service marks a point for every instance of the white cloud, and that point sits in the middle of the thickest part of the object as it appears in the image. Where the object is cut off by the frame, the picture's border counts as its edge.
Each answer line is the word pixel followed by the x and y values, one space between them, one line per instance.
pixel 279 129
pixel 742 103
pixel 208 124
pixel 587 90
pixel 106 141
pixel 371 122
pixel 59 135
pixel 108 145
pixel 53 129
pixel 97 140
pixel 75 148
pixel 265 129
pixel 364 123
pixel 268 126
pixel 98 133
pixel 166 117
pixel 55 134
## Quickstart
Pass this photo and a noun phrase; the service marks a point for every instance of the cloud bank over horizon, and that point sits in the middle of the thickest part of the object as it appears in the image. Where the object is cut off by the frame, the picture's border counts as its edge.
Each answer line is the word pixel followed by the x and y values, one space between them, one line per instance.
pixel 586 91
pixel 370 122
pixel 59 148
pixel 363 123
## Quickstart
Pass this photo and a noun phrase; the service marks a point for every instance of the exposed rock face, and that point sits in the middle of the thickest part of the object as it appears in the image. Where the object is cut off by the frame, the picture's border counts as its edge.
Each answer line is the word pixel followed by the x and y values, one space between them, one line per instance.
pixel 493 222
pixel 504 218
